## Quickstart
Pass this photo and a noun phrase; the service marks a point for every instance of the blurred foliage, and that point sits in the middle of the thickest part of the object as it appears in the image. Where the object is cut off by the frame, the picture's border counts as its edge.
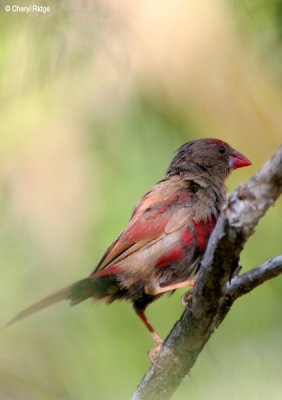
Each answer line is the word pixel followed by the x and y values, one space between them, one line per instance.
pixel 263 20
pixel 95 97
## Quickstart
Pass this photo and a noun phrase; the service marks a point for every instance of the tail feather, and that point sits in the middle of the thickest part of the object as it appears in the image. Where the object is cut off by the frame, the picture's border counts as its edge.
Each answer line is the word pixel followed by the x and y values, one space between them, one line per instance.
pixel 39 305
pixel 75 293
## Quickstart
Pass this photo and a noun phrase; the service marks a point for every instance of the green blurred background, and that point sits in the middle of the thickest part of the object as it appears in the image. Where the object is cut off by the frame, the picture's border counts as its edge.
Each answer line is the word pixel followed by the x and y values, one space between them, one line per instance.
pixel 95 97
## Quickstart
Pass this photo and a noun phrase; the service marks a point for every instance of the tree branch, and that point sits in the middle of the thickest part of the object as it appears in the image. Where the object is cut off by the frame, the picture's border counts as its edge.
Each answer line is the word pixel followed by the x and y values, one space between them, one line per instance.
pixel 213 295
pixel 248 281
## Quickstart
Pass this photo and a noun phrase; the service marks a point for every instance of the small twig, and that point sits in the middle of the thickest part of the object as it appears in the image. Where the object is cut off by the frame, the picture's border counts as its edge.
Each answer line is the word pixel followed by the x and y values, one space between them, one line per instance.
pixel 211 299
pixel 248 281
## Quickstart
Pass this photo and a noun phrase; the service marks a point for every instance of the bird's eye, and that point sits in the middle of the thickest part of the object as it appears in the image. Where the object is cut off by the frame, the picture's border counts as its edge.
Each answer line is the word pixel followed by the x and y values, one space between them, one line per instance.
pixel 222 149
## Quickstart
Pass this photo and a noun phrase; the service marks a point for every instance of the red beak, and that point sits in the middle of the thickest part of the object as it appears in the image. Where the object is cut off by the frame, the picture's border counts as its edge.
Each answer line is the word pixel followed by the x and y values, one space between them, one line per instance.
pixel 238 160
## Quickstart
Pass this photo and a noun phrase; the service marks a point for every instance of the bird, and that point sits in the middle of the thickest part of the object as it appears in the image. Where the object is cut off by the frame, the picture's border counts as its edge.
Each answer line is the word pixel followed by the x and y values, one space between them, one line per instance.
pixel 161 248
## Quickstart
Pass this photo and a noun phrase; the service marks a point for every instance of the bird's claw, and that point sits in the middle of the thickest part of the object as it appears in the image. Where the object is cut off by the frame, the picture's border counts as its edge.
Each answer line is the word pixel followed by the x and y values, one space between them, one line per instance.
pixel 186 299
pixel 153 353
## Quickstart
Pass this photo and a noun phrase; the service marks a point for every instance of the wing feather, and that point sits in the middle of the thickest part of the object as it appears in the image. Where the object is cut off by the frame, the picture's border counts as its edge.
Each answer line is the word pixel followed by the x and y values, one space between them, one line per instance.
pixel 162 210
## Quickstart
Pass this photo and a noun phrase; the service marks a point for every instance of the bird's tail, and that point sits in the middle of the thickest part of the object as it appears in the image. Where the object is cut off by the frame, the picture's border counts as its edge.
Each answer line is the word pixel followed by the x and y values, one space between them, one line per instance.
pixel 75 293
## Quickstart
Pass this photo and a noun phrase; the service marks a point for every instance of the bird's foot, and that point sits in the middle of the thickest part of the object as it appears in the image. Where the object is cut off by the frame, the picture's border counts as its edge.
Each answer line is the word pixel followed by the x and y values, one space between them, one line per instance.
pixel 153 353
pixel 187 299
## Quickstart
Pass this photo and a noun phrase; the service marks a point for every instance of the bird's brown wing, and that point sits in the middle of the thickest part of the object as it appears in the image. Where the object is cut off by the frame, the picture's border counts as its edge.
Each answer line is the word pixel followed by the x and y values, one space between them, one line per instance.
pixel 165 208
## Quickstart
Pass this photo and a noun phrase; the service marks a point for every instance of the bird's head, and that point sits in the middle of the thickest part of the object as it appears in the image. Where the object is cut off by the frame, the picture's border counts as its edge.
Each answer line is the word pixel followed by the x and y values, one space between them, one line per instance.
pixel 212 157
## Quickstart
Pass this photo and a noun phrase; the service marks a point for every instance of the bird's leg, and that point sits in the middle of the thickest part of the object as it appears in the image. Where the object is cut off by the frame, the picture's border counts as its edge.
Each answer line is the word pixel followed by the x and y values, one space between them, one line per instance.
pixel 175 286
pixel 141 314
pixel 152 353
pixel 148 325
